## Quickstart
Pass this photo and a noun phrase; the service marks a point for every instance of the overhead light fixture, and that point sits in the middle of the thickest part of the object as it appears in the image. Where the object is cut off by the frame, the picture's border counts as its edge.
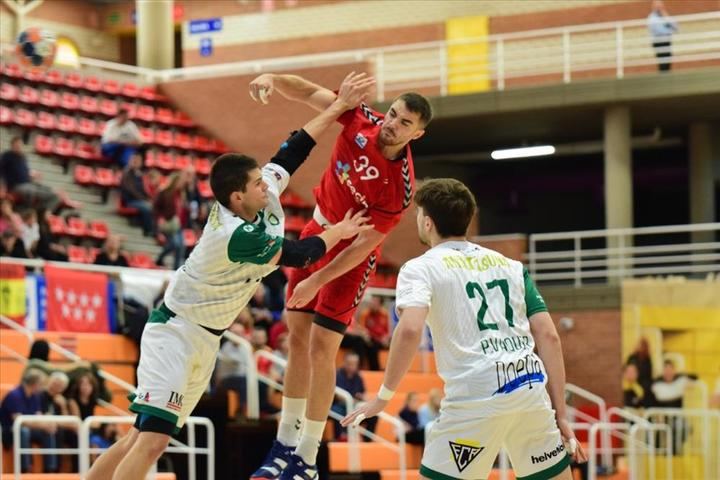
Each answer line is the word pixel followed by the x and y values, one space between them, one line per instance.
pixel 522 152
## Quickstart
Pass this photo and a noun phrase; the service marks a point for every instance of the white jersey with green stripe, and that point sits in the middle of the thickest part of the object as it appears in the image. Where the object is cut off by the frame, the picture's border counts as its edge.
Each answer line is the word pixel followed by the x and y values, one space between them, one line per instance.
pixel 232 256
pixel 479 303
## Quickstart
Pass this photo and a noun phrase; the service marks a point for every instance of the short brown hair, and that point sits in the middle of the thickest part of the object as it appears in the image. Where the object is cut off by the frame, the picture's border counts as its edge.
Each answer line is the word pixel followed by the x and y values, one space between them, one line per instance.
pixel 230 173
pixel 449 203
pixel 416 103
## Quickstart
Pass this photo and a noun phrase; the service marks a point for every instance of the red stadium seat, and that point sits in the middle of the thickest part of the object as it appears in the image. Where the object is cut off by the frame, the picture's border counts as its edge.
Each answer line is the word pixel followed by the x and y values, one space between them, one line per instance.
pixel 293 200
pixel 165 161
pixel 13 70
pixel 183 140
pixel 104 177
pixel 28 95
pixel 141 260
pixel 183 119
pixel 98 230
pixel 201 143
pixel 87 127
pixel 146 113
pixel 148 135
pixel 34 75
pixel 164 138
pixel 77 254
pixel 164 115
pixel 130 108
pixel 74 80
pixel 124 210
pixel 76 227
pixel 54 77
pixel 83 175
pixel 100 127
pixel 92 254
pixel 217 146
pixel 111 87
pixel 43 145
pixel 64 147
pixel 92 84
pixel 24 118
pixel 150 159
pixel 49 98
pixel 108 107
pixel 88 104
pixel 204 189
pixel 87 151
pixel 150 94
pixel 6 115
pixel 57 224
pixel 45 121
pixel 130 90
pixel 9 92
pixel 189 237
pixel 66 123
pixel 69 101
pixel 202 166
pixel 182 162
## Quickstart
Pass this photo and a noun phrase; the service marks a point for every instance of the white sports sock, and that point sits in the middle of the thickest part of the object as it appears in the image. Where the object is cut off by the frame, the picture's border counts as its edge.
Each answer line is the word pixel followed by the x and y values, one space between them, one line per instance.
pixel 291 420
pixel 309 444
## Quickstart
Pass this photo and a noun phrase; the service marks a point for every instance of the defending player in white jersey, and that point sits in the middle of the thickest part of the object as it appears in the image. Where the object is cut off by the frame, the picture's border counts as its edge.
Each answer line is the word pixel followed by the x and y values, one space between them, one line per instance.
pixel 242 242
pixel 486 318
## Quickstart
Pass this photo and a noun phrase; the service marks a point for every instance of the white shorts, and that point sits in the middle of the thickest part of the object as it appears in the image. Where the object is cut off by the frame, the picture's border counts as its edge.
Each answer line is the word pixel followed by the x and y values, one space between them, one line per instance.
pixel 176 363
pixel 460 448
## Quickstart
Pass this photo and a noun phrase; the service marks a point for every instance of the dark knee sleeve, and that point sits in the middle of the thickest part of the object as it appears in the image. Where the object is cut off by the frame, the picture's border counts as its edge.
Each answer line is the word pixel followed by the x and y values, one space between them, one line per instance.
pixel 330 323
pixel 150 423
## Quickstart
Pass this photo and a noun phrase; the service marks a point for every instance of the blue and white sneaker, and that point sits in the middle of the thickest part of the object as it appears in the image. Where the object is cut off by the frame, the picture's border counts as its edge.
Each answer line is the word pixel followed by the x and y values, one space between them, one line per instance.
pixel 299 470
pixel 277 459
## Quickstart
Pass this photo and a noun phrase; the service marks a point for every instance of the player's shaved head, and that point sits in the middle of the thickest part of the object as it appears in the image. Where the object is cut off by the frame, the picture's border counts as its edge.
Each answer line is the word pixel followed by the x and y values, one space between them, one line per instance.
pixel 449 203
pixel 230 173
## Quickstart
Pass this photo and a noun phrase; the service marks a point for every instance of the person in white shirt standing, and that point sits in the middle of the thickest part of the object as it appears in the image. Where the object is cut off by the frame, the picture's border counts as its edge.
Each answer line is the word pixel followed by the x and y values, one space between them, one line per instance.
pixel 120 139
pixel 486 317
pixel 661 27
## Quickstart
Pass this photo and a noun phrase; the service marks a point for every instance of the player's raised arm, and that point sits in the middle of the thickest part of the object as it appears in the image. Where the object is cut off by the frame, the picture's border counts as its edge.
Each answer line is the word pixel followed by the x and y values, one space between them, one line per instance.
pixel 293 88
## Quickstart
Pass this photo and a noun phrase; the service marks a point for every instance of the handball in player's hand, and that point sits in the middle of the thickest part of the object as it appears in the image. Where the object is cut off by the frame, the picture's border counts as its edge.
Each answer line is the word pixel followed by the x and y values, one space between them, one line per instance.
pixel 262 87
pixel 351 224
pixel 36 48
pixel 355 89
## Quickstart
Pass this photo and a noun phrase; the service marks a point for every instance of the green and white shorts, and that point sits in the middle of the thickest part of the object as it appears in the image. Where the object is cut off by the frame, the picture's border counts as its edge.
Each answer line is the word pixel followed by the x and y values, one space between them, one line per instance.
pixel 457 447
pixel 177 358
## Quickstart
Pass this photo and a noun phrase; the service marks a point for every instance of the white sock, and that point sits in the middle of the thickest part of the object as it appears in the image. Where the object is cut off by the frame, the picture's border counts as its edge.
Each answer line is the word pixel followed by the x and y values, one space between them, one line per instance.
pixel 291 420
pixel 309 444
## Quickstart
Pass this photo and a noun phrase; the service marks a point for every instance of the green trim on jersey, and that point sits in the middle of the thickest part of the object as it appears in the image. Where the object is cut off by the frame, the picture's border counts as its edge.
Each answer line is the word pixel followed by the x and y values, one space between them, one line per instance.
pixel 533 300
pixel 154 411
pixel 249 243
pixel 550 472
pixel 432 474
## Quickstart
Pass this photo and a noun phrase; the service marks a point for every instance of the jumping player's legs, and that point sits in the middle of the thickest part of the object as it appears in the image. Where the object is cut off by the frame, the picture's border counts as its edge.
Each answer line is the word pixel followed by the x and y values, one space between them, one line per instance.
pixel 104 467
pixel 142 456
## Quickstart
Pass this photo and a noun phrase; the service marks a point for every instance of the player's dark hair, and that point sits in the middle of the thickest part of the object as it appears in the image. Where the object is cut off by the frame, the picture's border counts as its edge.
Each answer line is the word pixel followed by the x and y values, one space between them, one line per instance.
pixel 449 203
pixel 416 103
pixel 230 173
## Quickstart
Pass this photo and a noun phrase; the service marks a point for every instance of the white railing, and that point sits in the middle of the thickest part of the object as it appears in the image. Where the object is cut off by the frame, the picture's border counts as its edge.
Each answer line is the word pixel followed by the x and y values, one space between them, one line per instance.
pixel 251 376
pixel 602 413
pixel 611 49
pixel 566 257
pixel 19 450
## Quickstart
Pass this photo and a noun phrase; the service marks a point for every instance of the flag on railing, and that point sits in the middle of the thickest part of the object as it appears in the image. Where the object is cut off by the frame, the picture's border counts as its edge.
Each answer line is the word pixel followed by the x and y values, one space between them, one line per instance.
pixel 76 301
pixel 12 291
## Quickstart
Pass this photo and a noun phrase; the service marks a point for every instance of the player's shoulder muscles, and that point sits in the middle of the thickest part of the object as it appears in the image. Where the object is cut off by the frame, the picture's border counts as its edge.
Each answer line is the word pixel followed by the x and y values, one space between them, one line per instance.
pixel 533 300
pixel 249 243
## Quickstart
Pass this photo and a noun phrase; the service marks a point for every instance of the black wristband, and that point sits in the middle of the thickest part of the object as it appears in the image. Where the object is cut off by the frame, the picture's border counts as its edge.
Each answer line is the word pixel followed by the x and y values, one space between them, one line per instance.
pixel 301 253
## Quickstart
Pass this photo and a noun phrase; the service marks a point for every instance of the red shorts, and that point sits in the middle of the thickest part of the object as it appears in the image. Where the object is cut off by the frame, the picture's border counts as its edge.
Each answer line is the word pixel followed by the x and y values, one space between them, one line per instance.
pixel 336 301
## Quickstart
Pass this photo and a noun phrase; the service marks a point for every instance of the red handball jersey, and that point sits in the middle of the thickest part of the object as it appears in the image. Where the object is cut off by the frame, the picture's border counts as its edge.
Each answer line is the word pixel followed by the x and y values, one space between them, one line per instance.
pixel 359 176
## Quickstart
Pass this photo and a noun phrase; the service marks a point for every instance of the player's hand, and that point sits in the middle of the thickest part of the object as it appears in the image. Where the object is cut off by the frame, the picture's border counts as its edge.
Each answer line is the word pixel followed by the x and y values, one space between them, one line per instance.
pixel 262 87
pixel 573 446
pixel 355 89
pixel 351 224
pixel 304 292
pixel 366 410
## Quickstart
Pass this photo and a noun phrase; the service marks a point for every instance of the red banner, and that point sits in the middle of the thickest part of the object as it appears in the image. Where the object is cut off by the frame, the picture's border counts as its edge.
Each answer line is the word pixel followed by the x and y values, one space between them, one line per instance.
pixel 76 301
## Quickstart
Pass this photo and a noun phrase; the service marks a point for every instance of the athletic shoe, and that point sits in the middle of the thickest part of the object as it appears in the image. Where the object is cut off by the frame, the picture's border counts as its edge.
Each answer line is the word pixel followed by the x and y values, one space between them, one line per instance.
pixel 299 470
pixel 277 459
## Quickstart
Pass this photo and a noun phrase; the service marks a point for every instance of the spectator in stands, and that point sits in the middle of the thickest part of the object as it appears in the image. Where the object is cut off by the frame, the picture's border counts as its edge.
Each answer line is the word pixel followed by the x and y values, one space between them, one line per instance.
pixel 120 139
pixel 277 330
pixel 409 414
pixel 640 357
pixel 275 290
pixel 83 396
pixel 167 206
pixel 281 350
pixel 258 307
pixel 348 378
pixel 197 207
pixel 661 26
pixel 29 231
pixel 26 400
pixel 103 437
pixel 670 388
pixel 375 320
pixel 47 246
pixel 11 245
pixel 111 253
pixel 134 195
pixel 431 409
pixel 355 340
pixel 153 182
pixel 52 400
pixel 9 219
pixel 633 392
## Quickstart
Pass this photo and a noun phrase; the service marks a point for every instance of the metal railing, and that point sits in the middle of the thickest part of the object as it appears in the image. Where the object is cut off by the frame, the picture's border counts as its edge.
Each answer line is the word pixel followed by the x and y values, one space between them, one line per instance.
pixel 566 257
pixel 19 450
pixel 610 49
pixel 251 375
pixel 603 418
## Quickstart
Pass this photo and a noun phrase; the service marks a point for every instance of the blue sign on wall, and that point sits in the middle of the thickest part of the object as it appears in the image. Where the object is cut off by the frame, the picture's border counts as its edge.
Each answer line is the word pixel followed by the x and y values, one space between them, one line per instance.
pixel 205 25
pixel 206 47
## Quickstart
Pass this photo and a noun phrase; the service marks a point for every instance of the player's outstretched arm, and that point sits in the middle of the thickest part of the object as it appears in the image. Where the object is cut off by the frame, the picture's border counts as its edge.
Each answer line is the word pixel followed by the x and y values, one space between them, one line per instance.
pixel 293 88
pixel 550 352
pixel 403 346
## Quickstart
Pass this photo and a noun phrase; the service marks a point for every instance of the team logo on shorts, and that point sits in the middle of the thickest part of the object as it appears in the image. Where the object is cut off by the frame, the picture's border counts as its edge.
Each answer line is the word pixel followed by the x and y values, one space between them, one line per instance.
pixel 360 140
pixel 464 453
pixel 175 402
